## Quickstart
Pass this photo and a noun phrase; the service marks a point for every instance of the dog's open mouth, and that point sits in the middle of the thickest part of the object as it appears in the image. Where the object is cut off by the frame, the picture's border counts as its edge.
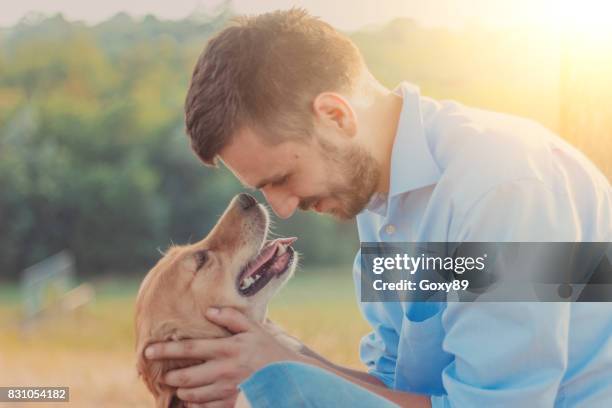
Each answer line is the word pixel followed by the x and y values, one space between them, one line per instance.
pixel 272 261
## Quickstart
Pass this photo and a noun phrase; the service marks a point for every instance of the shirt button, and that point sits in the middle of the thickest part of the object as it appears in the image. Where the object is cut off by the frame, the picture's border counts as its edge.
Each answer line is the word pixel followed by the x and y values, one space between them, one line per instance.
pixel 390 229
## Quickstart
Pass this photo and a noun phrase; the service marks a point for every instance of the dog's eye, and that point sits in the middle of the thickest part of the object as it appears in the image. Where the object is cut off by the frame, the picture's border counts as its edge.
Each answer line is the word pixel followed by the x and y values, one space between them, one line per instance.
pixel 201 257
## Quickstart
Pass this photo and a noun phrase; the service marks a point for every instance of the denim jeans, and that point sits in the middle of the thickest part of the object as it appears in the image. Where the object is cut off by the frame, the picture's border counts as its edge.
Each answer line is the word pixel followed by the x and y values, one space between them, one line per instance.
pixel 289 384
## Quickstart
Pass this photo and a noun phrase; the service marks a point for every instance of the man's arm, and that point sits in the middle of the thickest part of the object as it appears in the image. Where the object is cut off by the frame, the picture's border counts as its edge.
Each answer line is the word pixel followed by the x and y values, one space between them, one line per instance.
pixel 229 361
pixel 325 363
pixel 367 381
pixel 295 344
pixel 308 356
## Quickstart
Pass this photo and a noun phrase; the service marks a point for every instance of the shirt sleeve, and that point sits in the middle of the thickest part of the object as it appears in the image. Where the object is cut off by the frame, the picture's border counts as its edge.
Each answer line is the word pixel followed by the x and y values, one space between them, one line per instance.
pixel 512 353
pixel 378 350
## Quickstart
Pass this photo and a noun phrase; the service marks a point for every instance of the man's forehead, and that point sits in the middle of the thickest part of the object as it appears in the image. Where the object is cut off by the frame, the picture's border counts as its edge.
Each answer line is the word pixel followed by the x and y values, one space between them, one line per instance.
pixel 258 179
pixel 252 167
pixel 256 163
pixel 243 149
pixel 243 177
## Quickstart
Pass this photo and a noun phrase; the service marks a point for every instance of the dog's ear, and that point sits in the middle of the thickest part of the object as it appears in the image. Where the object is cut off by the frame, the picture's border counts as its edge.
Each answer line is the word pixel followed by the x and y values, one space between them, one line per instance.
pixel 151 372
pixel 168 400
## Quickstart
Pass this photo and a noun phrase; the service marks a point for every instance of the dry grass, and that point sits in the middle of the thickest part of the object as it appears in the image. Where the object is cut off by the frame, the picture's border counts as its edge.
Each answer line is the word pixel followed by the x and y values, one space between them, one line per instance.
pixel 92 352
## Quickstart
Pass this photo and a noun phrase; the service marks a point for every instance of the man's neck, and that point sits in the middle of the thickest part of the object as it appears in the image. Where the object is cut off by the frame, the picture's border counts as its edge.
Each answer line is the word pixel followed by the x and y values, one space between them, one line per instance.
pixel 381 124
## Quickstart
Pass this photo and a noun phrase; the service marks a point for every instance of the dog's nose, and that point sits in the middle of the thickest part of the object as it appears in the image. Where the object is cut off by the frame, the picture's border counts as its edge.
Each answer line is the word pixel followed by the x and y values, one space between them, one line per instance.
pixel 246 201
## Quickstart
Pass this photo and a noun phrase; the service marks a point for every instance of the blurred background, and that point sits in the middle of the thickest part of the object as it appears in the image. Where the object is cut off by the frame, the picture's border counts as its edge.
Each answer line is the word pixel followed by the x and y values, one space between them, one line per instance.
pixel 96 175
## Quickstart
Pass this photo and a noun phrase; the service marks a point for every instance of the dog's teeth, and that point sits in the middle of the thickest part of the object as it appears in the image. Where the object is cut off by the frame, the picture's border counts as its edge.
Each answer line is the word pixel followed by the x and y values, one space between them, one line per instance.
pixel 246 283
pixel 281 249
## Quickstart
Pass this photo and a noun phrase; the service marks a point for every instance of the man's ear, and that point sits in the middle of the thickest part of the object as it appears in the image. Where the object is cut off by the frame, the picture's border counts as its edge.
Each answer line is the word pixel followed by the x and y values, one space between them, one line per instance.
pixel 333 109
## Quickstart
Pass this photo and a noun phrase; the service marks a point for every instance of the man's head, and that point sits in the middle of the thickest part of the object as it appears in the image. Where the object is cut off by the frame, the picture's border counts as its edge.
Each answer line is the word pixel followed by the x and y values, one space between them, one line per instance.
pixel 278 98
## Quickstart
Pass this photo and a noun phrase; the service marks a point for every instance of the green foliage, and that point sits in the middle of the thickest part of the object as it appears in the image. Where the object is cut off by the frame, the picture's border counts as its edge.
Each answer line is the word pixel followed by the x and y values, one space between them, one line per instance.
pixel 93 156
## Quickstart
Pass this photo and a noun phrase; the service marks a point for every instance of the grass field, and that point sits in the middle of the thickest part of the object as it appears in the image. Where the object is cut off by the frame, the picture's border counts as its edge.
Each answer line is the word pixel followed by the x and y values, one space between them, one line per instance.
pixel 92 351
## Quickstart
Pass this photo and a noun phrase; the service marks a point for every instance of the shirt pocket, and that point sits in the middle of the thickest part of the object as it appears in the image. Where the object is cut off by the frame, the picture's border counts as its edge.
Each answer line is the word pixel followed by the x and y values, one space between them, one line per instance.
pixel 420 357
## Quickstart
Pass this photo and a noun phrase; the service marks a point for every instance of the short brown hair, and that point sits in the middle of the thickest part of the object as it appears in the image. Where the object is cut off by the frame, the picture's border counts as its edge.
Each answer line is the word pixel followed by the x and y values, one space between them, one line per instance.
pixel 263 72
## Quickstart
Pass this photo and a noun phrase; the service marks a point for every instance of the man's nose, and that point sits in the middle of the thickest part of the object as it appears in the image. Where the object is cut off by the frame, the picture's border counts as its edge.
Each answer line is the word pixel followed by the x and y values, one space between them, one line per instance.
pixel 283 205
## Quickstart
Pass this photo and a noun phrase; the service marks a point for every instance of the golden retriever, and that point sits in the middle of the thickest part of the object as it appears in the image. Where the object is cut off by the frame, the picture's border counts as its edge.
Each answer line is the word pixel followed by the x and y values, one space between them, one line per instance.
pixel 233 266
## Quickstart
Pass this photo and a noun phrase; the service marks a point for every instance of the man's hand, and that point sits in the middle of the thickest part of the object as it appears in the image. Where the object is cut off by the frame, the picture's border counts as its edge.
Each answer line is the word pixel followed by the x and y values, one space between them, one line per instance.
pixel 227 361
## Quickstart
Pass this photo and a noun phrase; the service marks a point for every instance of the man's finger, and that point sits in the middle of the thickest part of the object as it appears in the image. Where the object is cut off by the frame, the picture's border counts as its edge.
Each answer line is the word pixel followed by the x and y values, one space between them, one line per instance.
pixel 219 404
pixel 230 318
pixel 213 392
pixel 198 375
pixel 198 349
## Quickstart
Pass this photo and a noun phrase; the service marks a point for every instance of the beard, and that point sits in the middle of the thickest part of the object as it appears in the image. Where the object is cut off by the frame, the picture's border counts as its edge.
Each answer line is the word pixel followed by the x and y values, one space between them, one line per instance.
pixel 355 174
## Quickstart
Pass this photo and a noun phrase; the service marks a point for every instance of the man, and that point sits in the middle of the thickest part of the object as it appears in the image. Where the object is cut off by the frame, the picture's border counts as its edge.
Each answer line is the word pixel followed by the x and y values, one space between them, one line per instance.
pixel 289 106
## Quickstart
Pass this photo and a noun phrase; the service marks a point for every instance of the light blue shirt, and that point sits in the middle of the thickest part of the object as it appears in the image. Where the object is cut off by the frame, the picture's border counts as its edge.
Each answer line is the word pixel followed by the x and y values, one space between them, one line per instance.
pixel 462 174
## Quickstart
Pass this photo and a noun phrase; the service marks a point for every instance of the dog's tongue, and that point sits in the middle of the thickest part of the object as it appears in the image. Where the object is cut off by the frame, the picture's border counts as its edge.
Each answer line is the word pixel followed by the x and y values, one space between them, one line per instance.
pixel 267 253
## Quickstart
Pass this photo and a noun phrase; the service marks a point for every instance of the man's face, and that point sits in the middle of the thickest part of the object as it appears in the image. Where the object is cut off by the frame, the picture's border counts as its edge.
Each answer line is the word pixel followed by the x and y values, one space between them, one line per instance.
pixel 328 176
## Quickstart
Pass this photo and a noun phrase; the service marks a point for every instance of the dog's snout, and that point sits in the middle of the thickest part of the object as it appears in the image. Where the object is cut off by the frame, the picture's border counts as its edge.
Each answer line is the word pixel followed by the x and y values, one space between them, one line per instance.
pixel 246 201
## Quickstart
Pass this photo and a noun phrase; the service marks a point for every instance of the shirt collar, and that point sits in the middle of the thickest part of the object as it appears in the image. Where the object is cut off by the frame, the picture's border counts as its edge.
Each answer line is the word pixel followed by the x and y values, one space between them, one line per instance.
pixel 412 165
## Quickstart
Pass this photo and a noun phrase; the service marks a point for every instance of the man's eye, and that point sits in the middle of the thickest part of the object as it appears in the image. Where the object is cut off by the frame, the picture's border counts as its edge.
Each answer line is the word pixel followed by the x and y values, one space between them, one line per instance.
pixel 201 257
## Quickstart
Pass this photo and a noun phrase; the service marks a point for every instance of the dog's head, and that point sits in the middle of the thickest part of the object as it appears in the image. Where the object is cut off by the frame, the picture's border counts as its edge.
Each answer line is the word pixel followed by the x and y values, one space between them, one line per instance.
pixel 233 266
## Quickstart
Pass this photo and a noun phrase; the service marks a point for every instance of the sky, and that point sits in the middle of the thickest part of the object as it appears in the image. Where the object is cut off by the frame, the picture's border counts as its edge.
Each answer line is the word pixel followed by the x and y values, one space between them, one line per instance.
pixel 343 14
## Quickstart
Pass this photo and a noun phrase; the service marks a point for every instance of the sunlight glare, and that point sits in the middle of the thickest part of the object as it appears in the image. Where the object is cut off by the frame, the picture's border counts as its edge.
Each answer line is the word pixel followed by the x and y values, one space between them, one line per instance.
pixel 585 18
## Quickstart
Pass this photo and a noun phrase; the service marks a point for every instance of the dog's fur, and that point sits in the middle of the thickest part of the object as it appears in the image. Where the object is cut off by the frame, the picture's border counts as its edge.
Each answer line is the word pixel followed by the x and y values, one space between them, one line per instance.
pixel 175 294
